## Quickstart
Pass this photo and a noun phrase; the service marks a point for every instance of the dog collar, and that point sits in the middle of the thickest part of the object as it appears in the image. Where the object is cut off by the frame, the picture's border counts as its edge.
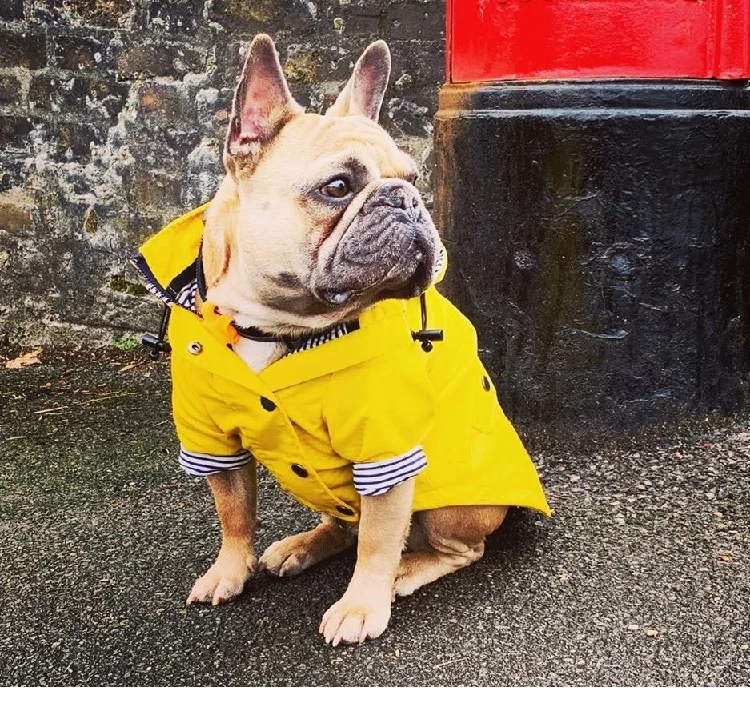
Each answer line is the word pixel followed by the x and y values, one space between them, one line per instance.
pixel 294 343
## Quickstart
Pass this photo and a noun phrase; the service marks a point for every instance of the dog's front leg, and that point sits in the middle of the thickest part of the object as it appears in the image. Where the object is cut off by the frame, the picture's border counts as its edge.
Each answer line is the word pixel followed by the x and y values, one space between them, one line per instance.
pixel 365 609
pixel 235 496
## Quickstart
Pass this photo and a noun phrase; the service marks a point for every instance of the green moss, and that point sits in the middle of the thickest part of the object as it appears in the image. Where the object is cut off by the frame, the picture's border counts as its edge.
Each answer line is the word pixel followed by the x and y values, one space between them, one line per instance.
pixel 302 69
pixel 90 221
pixel 126 343
pixel 15 338
pixel 120 283
pixel 255 10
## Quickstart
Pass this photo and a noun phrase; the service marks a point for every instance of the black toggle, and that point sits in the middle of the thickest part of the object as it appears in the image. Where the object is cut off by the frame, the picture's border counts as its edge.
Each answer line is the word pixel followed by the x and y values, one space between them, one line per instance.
pixel 427 337
pixel 156 344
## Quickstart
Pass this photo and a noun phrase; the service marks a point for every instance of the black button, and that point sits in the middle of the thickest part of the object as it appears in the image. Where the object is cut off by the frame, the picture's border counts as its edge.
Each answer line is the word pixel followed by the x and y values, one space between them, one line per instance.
pixel 345 510
pixel 267 403
pixel 486 383
pixel 299 470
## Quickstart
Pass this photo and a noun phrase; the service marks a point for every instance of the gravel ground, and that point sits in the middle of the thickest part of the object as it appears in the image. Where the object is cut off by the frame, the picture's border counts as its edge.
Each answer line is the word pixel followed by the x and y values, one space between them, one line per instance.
pixel 640 578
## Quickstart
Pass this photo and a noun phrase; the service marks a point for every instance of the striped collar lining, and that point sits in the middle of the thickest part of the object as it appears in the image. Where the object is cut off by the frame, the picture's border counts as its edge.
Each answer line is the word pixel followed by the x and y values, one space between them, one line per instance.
pixel 184 288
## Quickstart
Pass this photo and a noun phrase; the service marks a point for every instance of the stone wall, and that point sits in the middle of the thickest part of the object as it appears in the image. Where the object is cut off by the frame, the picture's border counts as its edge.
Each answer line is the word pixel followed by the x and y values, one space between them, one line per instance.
pixel 112 116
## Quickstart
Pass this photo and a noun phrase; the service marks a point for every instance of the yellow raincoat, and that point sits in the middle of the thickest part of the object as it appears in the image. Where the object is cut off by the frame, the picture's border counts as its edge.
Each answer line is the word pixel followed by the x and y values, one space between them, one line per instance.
pixel 370 395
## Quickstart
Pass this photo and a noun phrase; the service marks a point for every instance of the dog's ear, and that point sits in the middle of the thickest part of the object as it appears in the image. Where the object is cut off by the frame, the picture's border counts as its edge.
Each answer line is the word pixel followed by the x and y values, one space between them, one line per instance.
pixel 262 104
pixel 363 94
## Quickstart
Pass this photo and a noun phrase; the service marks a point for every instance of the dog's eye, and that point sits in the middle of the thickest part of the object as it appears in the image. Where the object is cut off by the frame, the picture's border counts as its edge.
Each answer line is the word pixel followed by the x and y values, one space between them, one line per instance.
pixel 338 188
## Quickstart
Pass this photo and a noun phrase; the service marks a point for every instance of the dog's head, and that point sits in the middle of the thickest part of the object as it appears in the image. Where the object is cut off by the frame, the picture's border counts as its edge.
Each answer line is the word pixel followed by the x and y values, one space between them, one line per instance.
pixel 318 217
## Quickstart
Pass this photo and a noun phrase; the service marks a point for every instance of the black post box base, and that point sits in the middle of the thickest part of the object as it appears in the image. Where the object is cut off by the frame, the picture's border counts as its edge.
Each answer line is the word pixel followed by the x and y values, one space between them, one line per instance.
pixel 599 238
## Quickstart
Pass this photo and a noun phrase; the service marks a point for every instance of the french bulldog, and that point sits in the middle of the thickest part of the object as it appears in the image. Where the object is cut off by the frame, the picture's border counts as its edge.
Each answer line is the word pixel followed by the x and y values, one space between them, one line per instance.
pixel 316 224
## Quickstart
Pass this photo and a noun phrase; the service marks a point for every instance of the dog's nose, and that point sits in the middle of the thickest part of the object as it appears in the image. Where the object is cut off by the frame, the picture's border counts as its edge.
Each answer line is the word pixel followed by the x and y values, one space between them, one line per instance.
pixel 394 195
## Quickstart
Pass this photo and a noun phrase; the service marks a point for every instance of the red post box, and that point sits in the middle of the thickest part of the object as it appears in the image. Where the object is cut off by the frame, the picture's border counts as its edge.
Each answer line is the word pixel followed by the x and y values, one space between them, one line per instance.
pixel 540 39
pixel 594 193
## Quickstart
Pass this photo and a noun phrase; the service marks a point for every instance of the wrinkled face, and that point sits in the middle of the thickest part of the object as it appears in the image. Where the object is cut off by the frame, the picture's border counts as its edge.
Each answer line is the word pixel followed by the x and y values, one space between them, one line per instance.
pixel 321 219
pixel 330 221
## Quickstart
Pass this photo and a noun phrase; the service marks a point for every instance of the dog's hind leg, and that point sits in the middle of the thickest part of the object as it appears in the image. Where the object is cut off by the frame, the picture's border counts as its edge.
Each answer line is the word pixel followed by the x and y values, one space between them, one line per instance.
pixel 235 496
pixel 450 538
pixel 296 553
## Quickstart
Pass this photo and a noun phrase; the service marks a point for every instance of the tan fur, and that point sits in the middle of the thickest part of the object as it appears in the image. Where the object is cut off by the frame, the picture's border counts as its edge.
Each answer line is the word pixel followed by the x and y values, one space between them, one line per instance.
pixel 219 232
pixel 271 231
pixel 258 228
pixel 235 497
pixel 365 608
pixel 451 538
pixel 295 553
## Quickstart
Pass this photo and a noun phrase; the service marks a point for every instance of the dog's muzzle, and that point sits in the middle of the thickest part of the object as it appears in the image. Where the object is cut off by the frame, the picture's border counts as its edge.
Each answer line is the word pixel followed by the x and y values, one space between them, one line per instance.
pixel 388 250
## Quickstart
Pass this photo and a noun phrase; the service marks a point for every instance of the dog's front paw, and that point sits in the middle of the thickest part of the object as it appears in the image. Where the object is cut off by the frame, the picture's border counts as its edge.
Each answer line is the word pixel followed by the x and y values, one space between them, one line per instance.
pixel 225 580
pixel 356 617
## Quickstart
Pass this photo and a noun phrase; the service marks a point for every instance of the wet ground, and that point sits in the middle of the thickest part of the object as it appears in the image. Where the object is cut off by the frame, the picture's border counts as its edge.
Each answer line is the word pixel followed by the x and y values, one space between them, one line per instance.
pixel 640 578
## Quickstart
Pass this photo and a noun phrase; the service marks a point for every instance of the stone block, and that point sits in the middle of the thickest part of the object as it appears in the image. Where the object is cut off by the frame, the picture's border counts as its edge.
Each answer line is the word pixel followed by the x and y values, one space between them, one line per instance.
pixel 73 140
pixel 13 169
pixel 412 19
pixel 10 90
pixel 159 103
pixel 264 15
pixel 22 49
pixel 92 13
pixel 13 130
pixel 175 16
pixel 408 117
pixel 80 53
pixel 54 93
pixel 16 208
pixel 364 21
pixel 150 59
pixel 155 191
pixel 424 64
pixel 303 67
pixel 91 95
pixel 11 9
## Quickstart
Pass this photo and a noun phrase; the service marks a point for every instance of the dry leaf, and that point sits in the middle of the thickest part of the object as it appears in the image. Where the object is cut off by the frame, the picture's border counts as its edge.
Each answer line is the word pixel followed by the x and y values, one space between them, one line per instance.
pixel 25 360
pixel 128 367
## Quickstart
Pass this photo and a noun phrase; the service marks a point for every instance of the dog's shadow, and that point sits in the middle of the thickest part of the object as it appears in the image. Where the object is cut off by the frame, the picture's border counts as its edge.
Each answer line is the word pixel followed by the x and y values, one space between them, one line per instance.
pixel 510 550
pixel 274 615
pixel 518 535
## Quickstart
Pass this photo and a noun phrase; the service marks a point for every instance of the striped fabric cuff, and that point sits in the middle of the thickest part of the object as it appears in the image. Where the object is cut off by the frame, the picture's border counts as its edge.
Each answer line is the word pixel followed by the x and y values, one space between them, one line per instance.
pixel 375 478
pixel 439 262
pixel 197 464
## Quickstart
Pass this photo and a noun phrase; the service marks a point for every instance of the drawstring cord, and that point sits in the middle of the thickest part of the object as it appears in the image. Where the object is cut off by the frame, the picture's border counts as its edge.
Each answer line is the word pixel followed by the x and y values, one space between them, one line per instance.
pixel 424 336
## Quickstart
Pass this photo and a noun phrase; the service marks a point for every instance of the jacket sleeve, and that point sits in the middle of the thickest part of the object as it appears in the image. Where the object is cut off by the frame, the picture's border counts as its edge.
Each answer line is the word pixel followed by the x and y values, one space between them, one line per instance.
pixel 378 414
pixel 204 447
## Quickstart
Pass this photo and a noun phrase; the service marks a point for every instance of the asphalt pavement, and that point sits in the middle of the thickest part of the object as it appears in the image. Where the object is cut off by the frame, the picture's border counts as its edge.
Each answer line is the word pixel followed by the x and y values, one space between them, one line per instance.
pixel 640 577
